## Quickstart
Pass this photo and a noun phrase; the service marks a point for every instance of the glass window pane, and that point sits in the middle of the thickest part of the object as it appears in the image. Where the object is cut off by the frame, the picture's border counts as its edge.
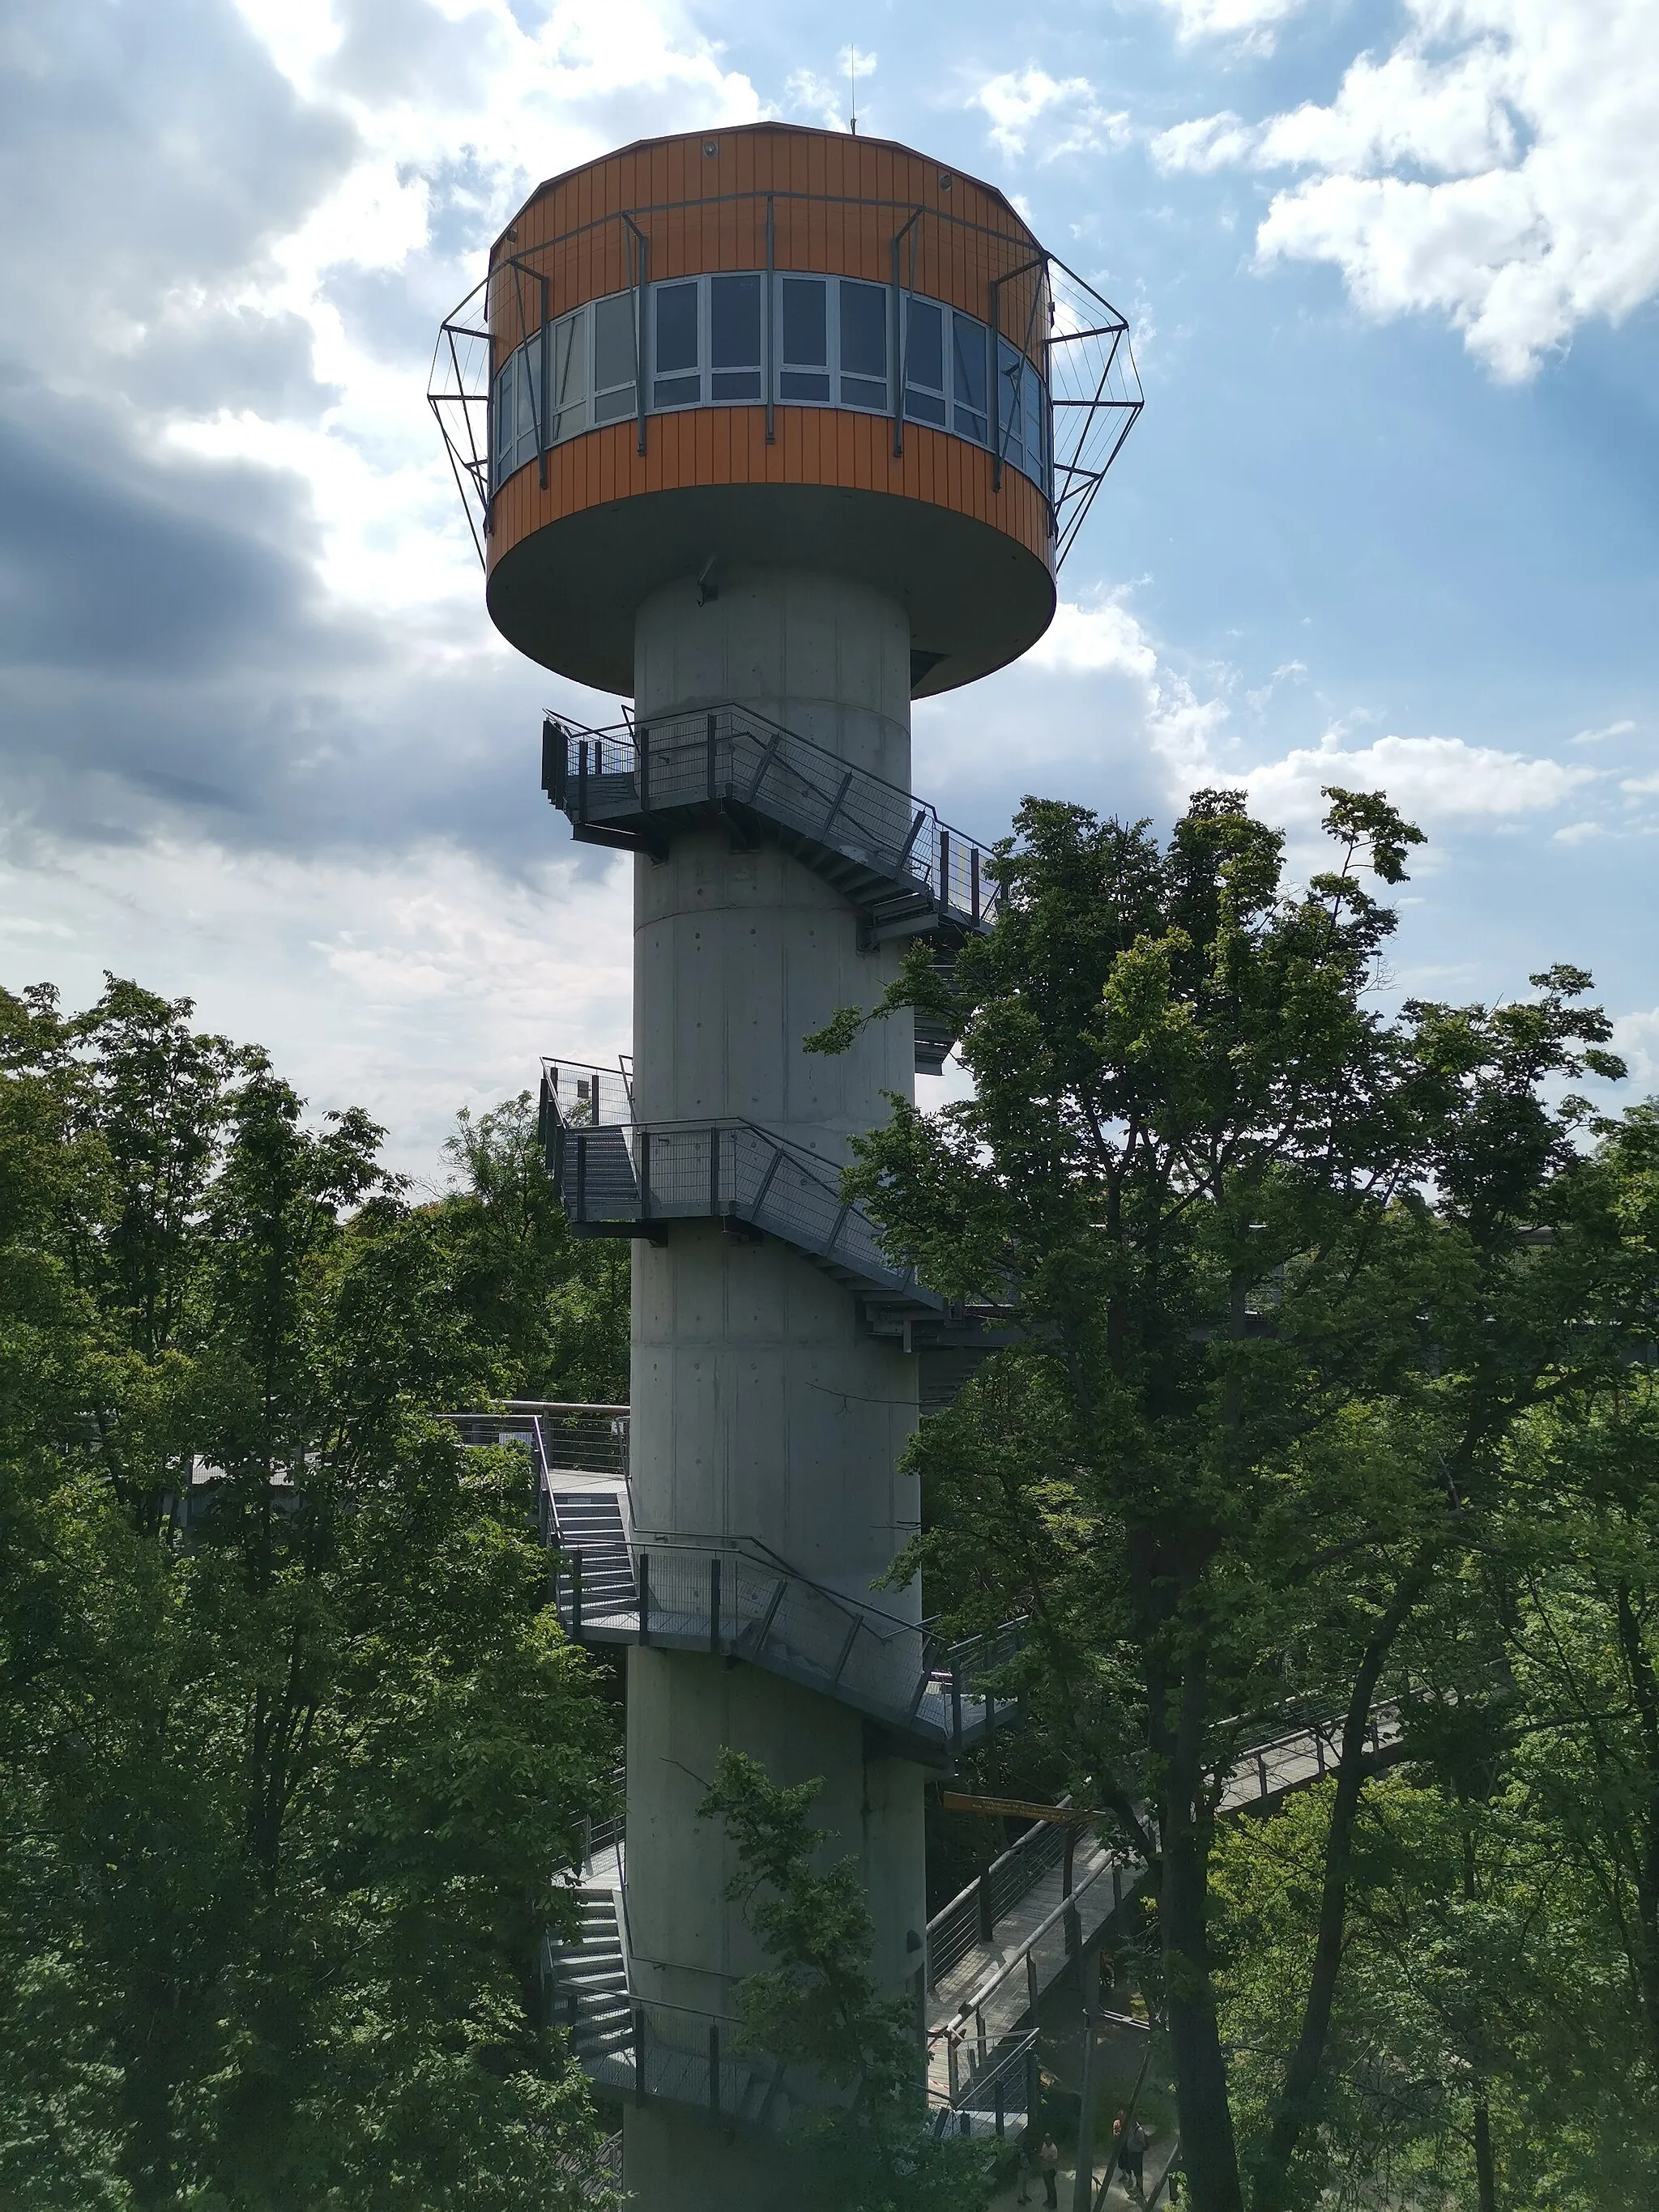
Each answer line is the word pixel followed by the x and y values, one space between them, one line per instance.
pixel 569 361
pixel 734 384
pixel 613 406
pixel 676 326
pixel 1033 414
pixel 805 326
pixel 569 374
pixel 863 392
pixel 676 392
pixel 734 322
pixel 799 384
pixel 924 347
pixel 925 406
pixel 970 342
pixel 1009 364
pixel 613 342
pixel 863 329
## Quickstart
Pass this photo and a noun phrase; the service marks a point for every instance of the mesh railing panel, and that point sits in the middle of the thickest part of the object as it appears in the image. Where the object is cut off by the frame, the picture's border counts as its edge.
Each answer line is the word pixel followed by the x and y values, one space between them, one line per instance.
pixel 729 1601
pixel 725 756
pixel 586 1096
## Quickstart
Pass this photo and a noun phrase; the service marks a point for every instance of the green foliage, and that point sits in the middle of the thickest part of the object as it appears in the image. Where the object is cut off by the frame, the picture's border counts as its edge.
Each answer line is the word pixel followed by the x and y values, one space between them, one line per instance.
pixel 1292 1274
pixel 819 2006
pixel 556 1305
pixel 291 1746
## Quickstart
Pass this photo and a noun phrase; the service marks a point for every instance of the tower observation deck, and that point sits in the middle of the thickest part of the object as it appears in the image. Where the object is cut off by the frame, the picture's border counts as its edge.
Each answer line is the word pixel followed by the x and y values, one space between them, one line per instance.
pixel 772 430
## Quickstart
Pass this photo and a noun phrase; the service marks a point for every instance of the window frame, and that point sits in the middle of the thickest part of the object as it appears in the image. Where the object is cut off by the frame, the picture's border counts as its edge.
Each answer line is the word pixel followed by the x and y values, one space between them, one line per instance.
pixel 592 407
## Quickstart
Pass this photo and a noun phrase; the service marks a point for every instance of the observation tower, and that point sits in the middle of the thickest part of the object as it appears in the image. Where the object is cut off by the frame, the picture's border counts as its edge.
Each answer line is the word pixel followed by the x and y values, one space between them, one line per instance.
pixel 769 430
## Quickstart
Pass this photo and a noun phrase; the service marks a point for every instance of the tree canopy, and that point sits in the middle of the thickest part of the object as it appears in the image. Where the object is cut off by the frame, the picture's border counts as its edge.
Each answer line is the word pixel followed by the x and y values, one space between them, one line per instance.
pixel 291 1746
pixel 1294 1276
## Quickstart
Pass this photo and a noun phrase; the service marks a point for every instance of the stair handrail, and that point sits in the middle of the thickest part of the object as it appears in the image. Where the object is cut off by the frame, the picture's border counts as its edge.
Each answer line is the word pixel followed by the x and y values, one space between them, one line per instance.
pixel 1316 1736
pixel 959 1668
pixel 918 848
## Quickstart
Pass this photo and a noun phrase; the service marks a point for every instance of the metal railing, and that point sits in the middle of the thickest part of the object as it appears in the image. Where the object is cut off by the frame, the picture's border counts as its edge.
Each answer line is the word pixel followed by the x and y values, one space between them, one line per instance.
pixel 886 843
pixel 972 1915
pixel 627 1175
pixel 581 1439
pixel 742 1603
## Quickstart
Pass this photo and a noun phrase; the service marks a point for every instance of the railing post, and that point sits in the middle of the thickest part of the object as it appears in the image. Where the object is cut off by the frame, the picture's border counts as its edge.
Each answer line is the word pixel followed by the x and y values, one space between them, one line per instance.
pixel 951 2073
pixel 581 1176
pixel 714 1168
pixel 1261 1772
pixel 1073 1925
pixel 714 2068
pixel 581 780
pixel 712 781
pixel 642 746
pixel 645 1175
pixel 987 1917
pixel 973 879
pixel 714 1603
pixel 944 890
pixel 645 1597
pixel 956 1707
pixel 1001 2116
pixel 1032 1990
pixel 576 1597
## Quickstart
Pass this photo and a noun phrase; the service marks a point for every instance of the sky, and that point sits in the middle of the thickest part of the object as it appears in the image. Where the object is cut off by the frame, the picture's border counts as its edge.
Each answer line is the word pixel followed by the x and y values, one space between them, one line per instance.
pixel 1390 517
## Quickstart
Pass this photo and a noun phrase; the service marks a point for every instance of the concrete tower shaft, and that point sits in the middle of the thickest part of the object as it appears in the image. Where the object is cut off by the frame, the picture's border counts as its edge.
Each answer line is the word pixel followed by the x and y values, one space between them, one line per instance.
pixel 762 1411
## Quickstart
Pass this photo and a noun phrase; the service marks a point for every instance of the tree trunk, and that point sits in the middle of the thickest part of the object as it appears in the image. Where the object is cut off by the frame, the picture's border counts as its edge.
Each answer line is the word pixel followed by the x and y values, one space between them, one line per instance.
pixel 1485 2178
pixel 1272 2178
pixel 1201 2069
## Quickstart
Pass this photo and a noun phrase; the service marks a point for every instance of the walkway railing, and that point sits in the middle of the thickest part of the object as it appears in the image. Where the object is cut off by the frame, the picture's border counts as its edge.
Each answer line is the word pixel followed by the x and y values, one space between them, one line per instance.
pixel 745 1604
pixel 625 1178
pixel 887 852
pixel 584 1438
pixel 1018 1971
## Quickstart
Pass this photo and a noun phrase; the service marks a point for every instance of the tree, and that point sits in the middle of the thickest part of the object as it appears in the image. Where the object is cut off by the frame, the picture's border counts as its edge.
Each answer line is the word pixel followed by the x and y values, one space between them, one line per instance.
pixel 819 2006
pixel 290 1754
pixel 1280 1306
pixel 556 1305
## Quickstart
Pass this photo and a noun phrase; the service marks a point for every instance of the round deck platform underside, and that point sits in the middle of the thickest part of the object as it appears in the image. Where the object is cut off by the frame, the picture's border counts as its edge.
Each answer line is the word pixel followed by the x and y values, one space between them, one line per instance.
pixel 567 594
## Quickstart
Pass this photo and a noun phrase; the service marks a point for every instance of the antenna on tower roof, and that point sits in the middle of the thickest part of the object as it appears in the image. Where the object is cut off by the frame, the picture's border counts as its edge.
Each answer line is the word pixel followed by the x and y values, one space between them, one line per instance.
pixel 853 73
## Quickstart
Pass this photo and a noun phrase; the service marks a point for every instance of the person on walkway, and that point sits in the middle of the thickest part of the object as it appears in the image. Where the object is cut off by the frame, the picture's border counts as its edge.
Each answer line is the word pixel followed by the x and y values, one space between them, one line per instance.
pixel 1049 2167
pixel 1027 2144
pixel 1134 2155
pixel 1172 2174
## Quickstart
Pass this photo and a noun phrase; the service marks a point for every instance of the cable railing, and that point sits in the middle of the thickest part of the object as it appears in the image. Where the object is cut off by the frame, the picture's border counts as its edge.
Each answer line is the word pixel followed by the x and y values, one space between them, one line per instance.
pixel 874 840
pixel 580 1438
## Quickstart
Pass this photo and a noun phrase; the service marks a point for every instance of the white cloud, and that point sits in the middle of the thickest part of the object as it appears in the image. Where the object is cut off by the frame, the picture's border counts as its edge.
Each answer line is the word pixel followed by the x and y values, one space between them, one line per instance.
pixel 1498 165
pixel 456 112
pixel 1253 21
pixel 829 99
pixel 1636 1040
pixel 442 980
pixel 1049 116
pixel 1596 737
pixel 1640 785
pixel 1207 143
pixel 1440 779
